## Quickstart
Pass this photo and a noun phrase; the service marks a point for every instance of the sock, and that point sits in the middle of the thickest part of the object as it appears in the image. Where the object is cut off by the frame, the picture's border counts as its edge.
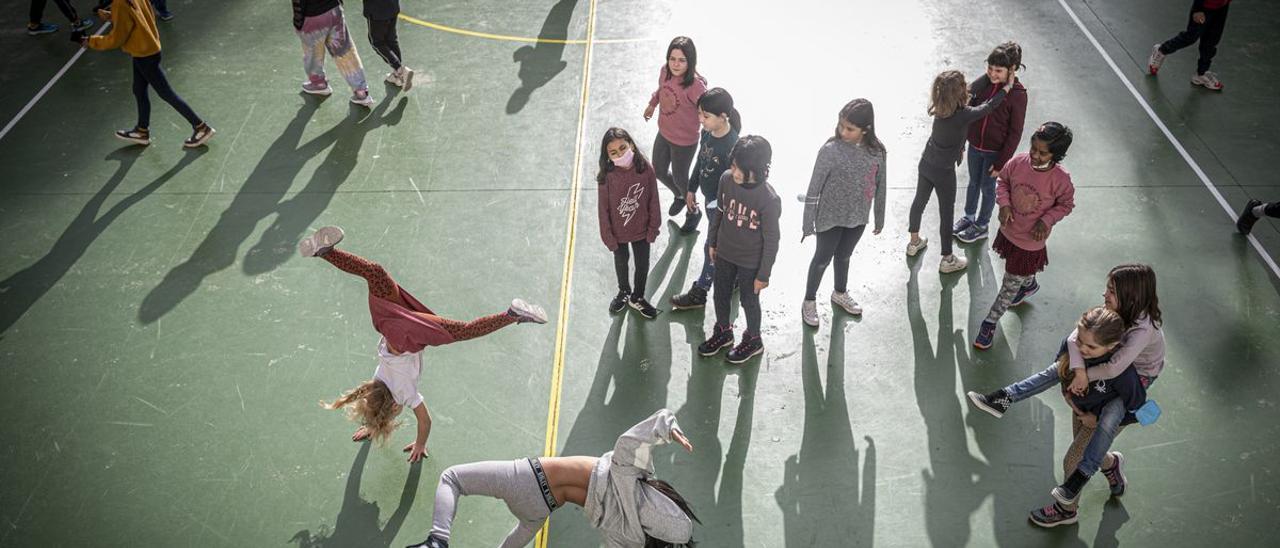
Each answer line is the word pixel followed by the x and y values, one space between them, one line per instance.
pixel 1259 211
pixel 1075 483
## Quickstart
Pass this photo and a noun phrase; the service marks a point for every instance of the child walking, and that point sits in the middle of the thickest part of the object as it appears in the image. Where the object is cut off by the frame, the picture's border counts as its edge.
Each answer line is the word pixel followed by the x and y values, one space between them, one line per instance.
pixel 133 30
pixel 618 491
pixel 1254 210
pixel 949 106
pixel 1205 25
pixel 1035 193
pixel 744 245
pixel 382 16
pixel 679 87
pixel 627 198
pixel 35 18
pixel 848 177
pixel 992 139
pixel 407 327
pixel 721 124
pixel 321 27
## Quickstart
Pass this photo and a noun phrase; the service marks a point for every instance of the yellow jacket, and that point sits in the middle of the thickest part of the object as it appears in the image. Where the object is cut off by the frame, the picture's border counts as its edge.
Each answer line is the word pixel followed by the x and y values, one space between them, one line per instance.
pixel 133 29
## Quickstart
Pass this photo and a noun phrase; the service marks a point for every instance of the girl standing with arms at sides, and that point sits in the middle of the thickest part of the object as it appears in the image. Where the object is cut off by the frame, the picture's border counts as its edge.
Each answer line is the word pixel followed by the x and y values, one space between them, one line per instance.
pixel 321 26
pixel 1035 193
pixel 992 139
pixel 407 327
pixel 948 104
pixel 848 177
pixel 627 198
pixel 679 87
pixel 720 126
pixel 630 507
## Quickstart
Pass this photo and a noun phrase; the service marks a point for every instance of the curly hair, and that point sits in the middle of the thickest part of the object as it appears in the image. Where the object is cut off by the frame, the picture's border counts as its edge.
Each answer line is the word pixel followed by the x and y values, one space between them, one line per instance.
pixel 948 94
pixel 372 405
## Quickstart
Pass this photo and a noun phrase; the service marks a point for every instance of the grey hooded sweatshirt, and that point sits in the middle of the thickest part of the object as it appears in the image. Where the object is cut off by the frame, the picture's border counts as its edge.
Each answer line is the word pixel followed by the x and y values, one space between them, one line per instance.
pixel 624 508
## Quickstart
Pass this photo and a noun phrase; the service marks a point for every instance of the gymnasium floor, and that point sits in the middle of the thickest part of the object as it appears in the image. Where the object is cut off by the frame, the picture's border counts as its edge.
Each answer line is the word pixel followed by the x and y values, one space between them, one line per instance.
pixel 163 347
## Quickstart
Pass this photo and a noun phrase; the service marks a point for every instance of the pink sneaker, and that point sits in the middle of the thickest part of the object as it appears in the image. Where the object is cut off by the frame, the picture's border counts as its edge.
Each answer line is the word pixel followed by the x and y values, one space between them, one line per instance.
pixel 320 88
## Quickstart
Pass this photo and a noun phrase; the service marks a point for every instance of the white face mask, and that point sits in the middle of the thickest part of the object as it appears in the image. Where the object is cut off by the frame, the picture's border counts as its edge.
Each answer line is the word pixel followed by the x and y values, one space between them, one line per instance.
pixel 1042 167
pixel 624 161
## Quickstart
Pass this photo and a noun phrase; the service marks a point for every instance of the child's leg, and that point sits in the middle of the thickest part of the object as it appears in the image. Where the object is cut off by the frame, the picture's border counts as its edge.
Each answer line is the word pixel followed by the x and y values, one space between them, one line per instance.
pixel 473 329
pixel 844 251
pixel 1008 289
pixel 662 164
pixel 68 10
pixel 1184 38
pixel 1214 23
pixel 622 256
pixel 681 162
pixel 393 41
pixel 380 283
pixel 822 254
pixel 381 35
pixel 1032 385
pixel 988 185
pixel 140 95
pixel 498 479
pixel 708 265
pixel 1108 428
pixel 750 300
pixel 640 249
pixel 313 35
pixel 1271 210
pixel 924 186
pixel 155 76
pixel 344 53
pixel 974 193
pixel 726 278
pixel 945 186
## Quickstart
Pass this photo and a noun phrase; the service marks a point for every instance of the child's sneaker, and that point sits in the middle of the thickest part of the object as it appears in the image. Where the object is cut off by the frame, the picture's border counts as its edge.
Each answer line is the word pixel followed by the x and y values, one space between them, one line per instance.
pixel 961 225
pixel 320 88
pixel 972 234
pixel 809 313
pixel 695 298
pixel 1053 515
pixel 747 349
pixel 915 247
pixel 393 78
pixel 42 28
pixel 362 98
pixel 802 197
pixel 1155 60
pixel 1064 495
pixel 1244 224
pixel 676 206
pixel 1115 475
pixel 986 334
pixel 320 241
pixel 619 301
pixel 643 307
pixel 431 542
pixel 199 136
pixel 721 337
pixel 952 263
pixel 1025 291
pixel 406 78
pixel 845 301
pixel 137 136
pixel 1208 80
pixel 164 15
pixel 691 221
pixel 524 312
pixel 995 403
pixel 82 25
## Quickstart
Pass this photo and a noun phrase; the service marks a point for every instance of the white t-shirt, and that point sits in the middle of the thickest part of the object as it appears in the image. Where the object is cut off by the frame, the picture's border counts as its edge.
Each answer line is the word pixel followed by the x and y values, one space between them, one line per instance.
pixel 400 374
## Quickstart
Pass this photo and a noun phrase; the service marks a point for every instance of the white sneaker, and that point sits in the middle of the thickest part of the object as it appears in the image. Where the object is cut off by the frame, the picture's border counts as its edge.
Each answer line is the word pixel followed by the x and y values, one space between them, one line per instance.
pixel 394 79
pixel 362 98
pixel 809 313
pixel 524 312
pixel 1208 80
pixel 406 78
pixel 914 247
pixel 843 300
pixel 952 263
pixel 320 241
pixel 1155 60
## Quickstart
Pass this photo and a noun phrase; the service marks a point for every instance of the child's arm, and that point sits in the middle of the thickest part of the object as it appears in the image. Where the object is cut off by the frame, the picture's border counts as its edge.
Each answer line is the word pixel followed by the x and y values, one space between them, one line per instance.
pixel 973 113
pixel 771 234
pixel 1134 341
pixel 632 453
pixel 1063 203
pixel 695 179
pixel 881 179
pixel 1013 139
pixel 655 209
pixel 1002 195
pixel 606 223
pixel 713 231
pixel 418 449
pixel 818 181
pixel 121 26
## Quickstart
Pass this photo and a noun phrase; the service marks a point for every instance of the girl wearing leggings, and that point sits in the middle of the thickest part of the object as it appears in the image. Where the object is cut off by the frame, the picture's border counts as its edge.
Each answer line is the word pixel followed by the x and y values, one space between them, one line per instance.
pixel 407 327
pixel 630 507
pixel 679 87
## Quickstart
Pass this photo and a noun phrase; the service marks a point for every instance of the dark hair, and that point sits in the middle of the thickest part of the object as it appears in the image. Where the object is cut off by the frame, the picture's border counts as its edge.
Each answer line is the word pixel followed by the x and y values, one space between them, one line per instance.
pixel 606 165
pixel 685 45
pixel 670 492
pixel 861 113
pixel 1135 289
pixel 948 94
pixel 1057 136
pixel 1007 55
pixel 752 154
pixel 717 101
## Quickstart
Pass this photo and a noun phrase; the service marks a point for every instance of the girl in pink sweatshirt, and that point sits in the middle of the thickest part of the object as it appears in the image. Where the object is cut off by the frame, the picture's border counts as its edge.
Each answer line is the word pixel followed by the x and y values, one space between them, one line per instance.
pixel 629 215
pixel 1034 193
pixel 679 87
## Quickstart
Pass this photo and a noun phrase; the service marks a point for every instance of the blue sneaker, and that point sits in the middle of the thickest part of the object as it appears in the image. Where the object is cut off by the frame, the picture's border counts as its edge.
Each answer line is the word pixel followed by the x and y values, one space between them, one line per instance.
pixel 82 25
pixel 164 15
pixel 963 224
pixel 42 28
pixel 986 334
pixel 1024 292
pixel 972 234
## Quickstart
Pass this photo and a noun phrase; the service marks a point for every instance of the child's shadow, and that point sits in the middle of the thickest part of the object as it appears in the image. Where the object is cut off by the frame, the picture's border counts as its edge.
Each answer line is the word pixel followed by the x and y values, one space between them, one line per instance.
pixel 357 521
pixel 542 61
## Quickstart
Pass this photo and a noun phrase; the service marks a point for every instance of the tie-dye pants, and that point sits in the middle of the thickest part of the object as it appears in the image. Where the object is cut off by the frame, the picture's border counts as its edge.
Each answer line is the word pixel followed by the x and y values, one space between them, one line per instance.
pixel 328 32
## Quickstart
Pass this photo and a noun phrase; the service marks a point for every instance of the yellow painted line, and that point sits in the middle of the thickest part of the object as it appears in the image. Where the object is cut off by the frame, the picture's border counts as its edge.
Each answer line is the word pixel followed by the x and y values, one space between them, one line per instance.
pixel 521 39
pixel 566 278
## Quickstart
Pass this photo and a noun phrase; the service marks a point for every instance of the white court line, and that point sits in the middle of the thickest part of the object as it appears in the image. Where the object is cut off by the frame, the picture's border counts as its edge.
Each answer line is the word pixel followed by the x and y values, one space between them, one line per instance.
pixel 46 87
pixel 1168 134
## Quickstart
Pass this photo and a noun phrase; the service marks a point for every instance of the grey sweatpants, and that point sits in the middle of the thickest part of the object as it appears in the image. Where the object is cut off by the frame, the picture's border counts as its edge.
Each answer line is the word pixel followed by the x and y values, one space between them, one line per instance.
pixel 512 481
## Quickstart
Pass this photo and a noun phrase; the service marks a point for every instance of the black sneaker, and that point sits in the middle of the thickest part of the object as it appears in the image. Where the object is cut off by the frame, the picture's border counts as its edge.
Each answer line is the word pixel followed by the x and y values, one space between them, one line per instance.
pixel 747 349
pixel 643 307
pixel 691 221
pixel 995 403
pixel 619 301
pixel 676 206
pixel 1115 475
pixel 137 136
pixel 1245 223
pixel 695 298
pixel 720 339
pixel 431 542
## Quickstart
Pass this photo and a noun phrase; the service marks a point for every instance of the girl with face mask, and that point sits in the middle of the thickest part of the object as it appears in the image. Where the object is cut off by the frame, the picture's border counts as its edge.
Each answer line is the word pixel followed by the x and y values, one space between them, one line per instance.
pixel 630 216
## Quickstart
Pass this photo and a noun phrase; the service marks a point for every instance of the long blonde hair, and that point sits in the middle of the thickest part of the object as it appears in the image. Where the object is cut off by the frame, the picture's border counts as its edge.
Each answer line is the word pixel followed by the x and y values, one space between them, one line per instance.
pixel 1105 325
pixel 372 405
pixel 948 94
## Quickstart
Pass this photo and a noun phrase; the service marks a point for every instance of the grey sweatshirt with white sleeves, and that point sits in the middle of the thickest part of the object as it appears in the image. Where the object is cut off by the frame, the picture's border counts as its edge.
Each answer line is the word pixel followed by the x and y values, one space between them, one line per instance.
pixel 620 504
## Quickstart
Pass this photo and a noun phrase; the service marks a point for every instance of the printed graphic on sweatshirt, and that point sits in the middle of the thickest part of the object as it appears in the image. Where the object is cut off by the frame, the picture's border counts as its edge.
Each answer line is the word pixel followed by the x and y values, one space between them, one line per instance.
pixel 869 189
pixel 668 99
pixel 630 203
pixel 710 163
pixel 1024 199
pixel 739 214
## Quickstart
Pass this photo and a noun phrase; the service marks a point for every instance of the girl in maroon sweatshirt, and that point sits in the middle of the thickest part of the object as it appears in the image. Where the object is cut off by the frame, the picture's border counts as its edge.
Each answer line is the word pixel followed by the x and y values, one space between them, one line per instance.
pixel 629 215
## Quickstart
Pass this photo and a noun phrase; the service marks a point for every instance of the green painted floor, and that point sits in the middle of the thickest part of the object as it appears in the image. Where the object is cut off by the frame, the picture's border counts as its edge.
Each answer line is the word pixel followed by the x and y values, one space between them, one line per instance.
pixel 164 349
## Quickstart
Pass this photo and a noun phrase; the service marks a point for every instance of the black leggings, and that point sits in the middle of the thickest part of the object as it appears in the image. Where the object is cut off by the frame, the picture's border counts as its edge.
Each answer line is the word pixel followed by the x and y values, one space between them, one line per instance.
pixel 382 34
pixel 620 259
pixel 728 277
pixel 837 243
pixel 37 11
pixel 942 182
pixel 671 164
pixel 1208 34
pixel 147 72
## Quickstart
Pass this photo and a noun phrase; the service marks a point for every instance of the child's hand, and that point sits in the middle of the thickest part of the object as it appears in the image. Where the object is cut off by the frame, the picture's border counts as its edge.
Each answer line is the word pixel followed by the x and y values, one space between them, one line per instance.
pixel 1040 231
pixel 993 172
pixel 760 286
pixel 691 201
pixel 1080 384
pixel 1198 17
pixel 876 232
pixel 1089 420
pixel 648 113
pixel 711 252
pixel 416 452
pixel 104 15
pixel 361 434
pixel 683 441
pixel 1006 213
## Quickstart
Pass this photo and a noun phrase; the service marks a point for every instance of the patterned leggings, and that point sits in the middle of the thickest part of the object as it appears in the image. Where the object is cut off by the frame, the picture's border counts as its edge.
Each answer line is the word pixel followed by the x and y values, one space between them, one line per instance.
pixel 1008 290
pixel 383 287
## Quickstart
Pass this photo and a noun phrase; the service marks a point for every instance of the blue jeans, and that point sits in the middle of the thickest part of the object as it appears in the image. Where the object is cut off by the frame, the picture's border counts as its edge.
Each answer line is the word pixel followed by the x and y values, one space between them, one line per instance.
pixel 981 184
pixel 1108 426
pixel 1035 384
pixel 708 266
